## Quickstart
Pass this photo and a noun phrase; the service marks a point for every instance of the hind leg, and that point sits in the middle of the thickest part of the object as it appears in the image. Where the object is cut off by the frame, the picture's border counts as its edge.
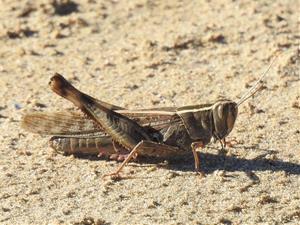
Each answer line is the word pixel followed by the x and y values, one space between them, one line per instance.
pixel 148 148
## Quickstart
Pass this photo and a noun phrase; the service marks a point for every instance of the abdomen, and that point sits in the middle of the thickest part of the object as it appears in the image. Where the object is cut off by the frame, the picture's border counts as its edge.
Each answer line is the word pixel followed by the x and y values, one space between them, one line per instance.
pixel 82 145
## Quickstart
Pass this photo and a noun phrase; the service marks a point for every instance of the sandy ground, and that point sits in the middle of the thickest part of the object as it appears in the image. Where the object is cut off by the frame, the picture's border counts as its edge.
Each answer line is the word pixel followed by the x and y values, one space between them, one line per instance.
pixel 149 54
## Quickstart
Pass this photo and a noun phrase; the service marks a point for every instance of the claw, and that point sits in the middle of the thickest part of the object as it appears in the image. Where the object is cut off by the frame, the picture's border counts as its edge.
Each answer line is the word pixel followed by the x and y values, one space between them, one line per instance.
pixel 114 156
pixel 101 154
pixel 118 157
pixel 201 174
pixel 114 175
pixel 229 143
pixel 122 157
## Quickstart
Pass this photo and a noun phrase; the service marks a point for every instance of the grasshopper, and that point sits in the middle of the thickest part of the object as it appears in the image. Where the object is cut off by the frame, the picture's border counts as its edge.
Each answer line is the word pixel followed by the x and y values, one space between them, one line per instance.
pixel 118 133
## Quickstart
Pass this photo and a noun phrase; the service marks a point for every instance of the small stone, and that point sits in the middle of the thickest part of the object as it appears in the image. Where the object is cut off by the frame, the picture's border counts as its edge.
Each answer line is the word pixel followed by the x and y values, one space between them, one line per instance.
pixel 152 168
pixel 296 105
pixel 266 199
pixel 172 174
pixel 23 152
pixel 71 194
pixel 4 209
pixel 219 173
pixel 217 38
pixel 40 105
pixel 66 211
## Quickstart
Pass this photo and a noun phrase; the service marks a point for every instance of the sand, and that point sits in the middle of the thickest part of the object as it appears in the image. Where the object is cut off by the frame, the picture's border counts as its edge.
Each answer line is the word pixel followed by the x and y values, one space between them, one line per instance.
pixel 140 54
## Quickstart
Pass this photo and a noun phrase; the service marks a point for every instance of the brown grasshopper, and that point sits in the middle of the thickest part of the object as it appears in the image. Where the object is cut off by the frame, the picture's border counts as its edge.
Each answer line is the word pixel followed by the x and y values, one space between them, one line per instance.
pixel 122 134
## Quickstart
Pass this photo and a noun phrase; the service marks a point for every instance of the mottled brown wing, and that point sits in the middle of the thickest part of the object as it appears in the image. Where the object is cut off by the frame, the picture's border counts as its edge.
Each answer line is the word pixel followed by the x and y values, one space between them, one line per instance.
pixel 59 123
pixel 157 118
pixel 71 123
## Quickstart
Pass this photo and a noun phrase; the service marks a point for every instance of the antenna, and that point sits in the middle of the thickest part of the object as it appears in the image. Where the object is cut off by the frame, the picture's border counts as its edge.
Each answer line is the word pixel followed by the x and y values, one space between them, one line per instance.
pixel 258 84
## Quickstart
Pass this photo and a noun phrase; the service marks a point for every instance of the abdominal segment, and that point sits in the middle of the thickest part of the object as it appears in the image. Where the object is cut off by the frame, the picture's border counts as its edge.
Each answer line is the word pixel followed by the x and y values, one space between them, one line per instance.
pixel 83 145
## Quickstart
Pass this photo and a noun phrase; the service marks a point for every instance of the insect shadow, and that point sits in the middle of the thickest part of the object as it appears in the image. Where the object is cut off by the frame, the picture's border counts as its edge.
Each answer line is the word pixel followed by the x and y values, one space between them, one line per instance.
pixel 212 162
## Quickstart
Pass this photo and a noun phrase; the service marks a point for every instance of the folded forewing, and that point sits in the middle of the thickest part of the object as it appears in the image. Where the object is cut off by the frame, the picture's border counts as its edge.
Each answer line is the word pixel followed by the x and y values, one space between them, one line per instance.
pixel 71 123
pixel 59 123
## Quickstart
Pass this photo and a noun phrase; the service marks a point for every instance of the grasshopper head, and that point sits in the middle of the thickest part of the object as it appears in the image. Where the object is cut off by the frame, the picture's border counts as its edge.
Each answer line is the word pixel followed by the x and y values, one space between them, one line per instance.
pixel 224 115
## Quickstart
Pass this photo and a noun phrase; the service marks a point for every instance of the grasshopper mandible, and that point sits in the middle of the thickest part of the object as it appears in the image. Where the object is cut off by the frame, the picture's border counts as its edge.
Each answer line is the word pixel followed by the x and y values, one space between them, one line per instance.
pixel 122 134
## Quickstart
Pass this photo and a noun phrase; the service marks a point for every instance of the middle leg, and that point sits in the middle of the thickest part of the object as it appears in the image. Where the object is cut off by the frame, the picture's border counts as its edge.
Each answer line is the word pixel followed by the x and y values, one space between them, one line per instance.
pixel 196 145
